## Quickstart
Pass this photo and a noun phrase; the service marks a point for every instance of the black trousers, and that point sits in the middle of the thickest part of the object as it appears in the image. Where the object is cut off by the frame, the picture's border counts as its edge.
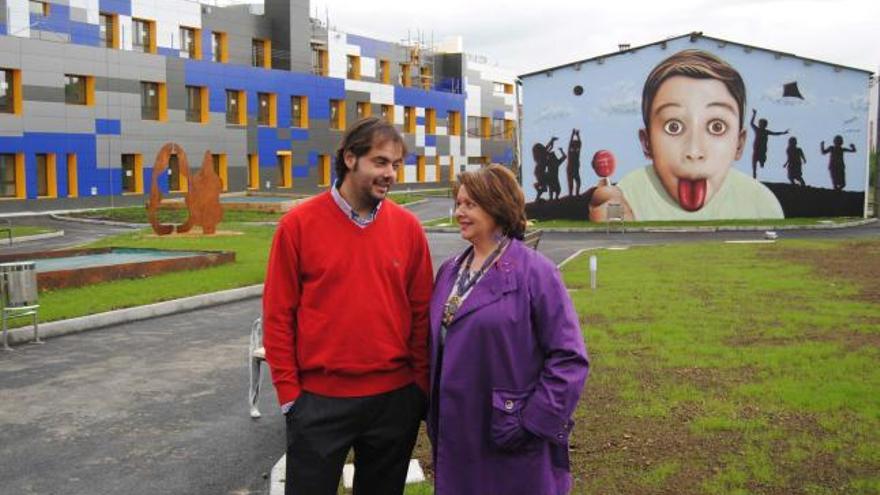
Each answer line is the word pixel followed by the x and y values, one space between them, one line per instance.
pixel 381 428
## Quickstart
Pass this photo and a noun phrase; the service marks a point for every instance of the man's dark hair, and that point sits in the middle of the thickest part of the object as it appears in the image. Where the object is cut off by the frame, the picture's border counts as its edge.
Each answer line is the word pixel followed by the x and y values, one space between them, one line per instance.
pixel 361 137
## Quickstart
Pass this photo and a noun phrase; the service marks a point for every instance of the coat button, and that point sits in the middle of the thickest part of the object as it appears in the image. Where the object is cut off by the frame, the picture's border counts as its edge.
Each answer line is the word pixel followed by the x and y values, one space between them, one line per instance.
pixel 508 404
pixel 560 436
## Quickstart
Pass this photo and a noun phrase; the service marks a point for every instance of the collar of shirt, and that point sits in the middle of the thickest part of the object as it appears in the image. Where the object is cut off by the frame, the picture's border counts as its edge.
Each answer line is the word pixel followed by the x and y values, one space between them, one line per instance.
pixel 349 211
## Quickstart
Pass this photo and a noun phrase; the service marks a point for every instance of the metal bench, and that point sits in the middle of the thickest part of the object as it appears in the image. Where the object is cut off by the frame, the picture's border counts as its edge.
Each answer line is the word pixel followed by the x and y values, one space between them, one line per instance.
pixel 615 212
pixel 532 238
pixel 256 357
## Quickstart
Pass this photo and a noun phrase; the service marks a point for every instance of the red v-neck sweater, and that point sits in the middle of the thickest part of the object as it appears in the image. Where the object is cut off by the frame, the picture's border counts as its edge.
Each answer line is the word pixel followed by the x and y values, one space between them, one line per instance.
pixel 345 308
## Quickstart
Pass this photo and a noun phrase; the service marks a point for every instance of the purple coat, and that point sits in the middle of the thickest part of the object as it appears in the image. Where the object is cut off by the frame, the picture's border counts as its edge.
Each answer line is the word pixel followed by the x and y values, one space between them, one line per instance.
pixel 513 367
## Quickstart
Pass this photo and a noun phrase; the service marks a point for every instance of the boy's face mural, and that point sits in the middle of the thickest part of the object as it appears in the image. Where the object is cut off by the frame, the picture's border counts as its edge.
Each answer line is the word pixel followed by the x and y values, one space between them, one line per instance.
pixel 693 138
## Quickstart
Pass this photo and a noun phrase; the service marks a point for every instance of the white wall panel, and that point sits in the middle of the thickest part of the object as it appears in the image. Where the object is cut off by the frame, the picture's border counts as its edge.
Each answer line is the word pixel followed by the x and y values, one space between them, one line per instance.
pixel 368 67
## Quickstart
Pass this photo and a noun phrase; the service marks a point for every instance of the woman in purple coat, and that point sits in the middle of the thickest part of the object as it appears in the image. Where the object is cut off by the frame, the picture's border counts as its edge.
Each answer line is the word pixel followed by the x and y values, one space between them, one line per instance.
pixel 508 360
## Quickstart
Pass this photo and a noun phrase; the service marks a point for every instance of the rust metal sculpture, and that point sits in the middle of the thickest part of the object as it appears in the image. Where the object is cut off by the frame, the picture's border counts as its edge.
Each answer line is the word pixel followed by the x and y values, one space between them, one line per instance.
pixel 202 197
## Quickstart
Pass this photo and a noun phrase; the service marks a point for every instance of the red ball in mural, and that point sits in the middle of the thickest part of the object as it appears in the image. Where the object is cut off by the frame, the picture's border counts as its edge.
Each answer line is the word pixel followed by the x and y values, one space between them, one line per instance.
pixel 604 163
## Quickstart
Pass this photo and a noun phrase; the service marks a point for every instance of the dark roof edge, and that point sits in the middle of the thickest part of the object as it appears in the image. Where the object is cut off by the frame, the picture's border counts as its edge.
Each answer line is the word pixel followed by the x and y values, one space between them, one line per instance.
pixel 695 34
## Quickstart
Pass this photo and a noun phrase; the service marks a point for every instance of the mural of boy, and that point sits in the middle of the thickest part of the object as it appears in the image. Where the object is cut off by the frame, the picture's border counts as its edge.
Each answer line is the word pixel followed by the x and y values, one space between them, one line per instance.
pixel 692 109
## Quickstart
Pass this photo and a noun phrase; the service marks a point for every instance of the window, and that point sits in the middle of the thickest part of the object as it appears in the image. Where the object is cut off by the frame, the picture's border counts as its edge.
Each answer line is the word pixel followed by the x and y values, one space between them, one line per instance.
pixel 409 119
pixel 9 176
pixel 261 53
pixel 39 8
pixel 109 30
pixel 509 128
pixel 46 178
pixel 132 174
pixel 266 109
pixel 474 126
pixel 219 163
pixel 149 101
pixel 320 60
pixel 324 170
pixel 77 89
pixel 10 91
pixel 219 52
pixel 508 88
pixel 453 123
pixel 190 43
pixel 337 114
pixel 72 176
pixel 497 129
pixel 194 104
pixel 253 172
pixel 235 107
pixel 299 111
pixel 405 79
pixel 285 176
pixel 420 169
pixel 354 67
pixel 176 183
pixel 143 36
pixel 430 121
pixel 363 109
pixel 388 113
pixel 497 87
pixel 427 78
pixel 385 71
pixel 485 127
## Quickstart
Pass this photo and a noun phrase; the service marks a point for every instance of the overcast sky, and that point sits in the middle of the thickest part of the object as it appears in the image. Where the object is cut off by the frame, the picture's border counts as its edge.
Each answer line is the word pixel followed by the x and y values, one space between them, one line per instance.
pixel 533 35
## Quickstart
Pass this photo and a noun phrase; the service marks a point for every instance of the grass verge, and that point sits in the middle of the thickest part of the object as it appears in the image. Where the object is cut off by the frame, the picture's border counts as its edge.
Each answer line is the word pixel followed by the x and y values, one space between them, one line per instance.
pixel 587 225
pixel 251 251
pixel 730 369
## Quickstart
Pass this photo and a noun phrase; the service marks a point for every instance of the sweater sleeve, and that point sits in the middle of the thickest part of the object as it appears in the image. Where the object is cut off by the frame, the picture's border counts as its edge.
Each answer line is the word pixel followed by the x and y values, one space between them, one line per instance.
pixel 281 294
pixel 419 293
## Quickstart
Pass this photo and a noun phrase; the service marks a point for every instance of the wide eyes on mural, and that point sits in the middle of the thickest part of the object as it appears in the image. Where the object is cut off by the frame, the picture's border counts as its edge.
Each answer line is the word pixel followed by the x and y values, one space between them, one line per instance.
pixel 717 127
pixel 673 127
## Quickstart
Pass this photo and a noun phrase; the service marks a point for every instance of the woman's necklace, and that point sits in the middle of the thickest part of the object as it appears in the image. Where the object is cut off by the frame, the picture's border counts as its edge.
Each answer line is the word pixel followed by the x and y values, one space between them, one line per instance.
pixel 466 281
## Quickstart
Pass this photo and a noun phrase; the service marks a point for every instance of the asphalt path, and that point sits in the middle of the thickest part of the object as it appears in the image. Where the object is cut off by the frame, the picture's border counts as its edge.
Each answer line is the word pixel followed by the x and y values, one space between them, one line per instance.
pixel 159 406
pixel 75 234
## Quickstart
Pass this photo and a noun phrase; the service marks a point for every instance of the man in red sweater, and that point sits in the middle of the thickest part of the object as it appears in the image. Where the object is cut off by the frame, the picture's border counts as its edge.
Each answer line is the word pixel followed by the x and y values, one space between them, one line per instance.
pixel 345 323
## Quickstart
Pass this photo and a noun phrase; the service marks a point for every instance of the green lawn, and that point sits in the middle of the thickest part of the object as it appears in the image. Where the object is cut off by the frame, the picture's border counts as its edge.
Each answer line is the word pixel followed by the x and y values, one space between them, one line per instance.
pixel 138 214
pixel 251 248
pixel 730 369
pixel 586 225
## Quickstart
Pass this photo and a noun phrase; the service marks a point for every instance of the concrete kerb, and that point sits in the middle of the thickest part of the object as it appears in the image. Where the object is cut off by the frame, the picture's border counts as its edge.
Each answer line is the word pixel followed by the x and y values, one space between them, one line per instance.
pixel 120 316
pixel 672 230
pixel 94 221
pixel 36 237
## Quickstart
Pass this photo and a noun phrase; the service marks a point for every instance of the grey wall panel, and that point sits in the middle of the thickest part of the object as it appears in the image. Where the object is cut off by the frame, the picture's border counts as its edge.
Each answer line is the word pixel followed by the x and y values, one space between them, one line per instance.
pixel 11 125
pixel 44 94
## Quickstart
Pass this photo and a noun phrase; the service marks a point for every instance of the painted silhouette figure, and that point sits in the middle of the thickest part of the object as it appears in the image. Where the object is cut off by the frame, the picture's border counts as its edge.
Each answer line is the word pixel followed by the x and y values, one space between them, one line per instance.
pixel 759 150
pixel 540 155
pixel 795 160
pixel 553 163
pixel 835 162
pixel 573 168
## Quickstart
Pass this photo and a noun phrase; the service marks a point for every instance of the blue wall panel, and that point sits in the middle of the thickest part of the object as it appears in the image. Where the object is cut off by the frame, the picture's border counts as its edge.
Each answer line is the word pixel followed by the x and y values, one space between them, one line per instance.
pixel 122 7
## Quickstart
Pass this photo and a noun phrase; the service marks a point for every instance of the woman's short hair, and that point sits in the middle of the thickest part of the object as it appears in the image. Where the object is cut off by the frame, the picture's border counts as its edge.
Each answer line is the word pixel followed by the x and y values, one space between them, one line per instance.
pixel 497 191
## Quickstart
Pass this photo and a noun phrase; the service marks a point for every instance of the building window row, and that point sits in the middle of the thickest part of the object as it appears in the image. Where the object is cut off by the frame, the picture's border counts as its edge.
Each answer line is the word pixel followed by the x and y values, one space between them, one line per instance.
pixel 80 90
pixel 12 173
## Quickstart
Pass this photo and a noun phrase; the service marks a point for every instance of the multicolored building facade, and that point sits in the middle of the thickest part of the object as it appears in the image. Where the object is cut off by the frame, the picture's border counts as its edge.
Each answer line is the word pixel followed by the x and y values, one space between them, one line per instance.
pixel 90 90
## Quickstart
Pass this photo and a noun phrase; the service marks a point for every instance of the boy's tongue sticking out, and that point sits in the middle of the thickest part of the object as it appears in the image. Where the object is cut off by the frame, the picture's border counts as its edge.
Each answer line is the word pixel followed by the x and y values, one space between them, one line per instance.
pixel 691 193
